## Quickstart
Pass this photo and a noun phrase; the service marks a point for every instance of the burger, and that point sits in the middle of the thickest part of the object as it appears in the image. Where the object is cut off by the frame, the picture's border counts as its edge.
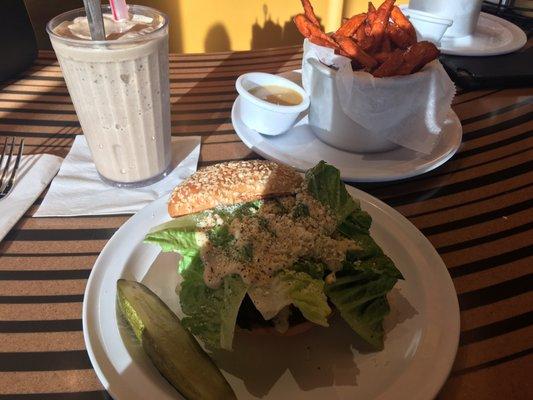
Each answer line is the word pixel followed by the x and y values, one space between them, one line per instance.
pixel 268 250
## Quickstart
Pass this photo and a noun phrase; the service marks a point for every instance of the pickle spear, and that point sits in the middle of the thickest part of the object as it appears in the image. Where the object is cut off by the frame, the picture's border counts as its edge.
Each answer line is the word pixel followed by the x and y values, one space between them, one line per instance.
pixel 173 350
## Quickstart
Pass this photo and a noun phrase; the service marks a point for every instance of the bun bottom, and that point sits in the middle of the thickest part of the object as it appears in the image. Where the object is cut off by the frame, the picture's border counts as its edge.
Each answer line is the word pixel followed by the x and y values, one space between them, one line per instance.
pixel 294 330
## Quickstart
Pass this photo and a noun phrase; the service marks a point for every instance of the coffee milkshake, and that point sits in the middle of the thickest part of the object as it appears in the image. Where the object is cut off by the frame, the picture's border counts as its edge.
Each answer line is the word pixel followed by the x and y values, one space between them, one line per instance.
pixel 120 90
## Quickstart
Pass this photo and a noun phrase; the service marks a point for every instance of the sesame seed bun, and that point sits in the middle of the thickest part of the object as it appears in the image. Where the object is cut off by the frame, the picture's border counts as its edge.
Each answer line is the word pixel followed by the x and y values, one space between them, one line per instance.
pixel 232 183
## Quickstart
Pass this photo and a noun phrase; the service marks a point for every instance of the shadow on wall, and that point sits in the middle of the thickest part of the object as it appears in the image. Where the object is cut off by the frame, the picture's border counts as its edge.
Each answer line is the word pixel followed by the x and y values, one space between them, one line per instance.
pixel 217 39
pixel 273 34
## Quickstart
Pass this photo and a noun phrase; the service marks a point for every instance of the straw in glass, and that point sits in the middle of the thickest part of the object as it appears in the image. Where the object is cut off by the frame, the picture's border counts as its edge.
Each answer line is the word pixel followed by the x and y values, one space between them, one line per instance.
pixel 119 8
pixel 94 18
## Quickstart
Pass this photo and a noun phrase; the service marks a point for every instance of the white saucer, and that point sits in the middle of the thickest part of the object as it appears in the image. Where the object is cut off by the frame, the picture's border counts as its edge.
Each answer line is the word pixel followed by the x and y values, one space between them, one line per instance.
pixel 301 149
pixel 493 36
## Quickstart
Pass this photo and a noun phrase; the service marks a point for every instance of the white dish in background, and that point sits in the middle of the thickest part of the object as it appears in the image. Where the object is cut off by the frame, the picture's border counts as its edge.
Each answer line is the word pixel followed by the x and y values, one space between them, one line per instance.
pixel 301 149
pixel 420 344
pixel 493 36
pixel 463 13
pixel 268 118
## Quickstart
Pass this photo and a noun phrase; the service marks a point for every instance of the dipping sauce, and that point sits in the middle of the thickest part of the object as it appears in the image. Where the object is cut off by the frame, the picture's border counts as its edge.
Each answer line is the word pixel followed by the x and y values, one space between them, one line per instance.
pixel 279 95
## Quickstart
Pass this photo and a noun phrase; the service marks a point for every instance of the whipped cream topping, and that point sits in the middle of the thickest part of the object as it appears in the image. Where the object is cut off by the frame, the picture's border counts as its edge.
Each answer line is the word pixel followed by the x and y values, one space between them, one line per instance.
pixel 137 25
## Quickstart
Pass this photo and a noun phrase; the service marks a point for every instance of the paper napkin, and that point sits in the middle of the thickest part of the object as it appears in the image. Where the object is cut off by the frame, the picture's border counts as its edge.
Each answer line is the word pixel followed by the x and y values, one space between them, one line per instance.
pixel 78 190
pixel 34 174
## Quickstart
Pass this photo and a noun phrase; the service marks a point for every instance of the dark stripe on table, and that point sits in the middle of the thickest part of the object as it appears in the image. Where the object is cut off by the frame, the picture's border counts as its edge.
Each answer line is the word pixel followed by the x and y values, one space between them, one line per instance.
pixel 62 298
pixel 59 325
pixel 22 275
pixel 94 395
pixel 496 328
pixel 496 292
pixel 45 361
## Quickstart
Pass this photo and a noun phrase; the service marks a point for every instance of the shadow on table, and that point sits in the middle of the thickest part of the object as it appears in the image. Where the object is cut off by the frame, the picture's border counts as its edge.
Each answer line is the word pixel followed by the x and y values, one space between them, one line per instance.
pixel 57 142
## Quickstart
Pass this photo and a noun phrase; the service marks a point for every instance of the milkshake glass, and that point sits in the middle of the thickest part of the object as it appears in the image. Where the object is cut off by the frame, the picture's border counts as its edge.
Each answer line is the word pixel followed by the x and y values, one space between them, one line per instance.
pixel 120 91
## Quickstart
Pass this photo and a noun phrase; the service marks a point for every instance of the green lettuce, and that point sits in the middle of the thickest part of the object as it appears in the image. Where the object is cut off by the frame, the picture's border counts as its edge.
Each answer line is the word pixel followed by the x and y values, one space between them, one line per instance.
pixel 307 294
pixel 210 313
pixel 292 287
pixel 360 297
pixel 359 292
pixel 311 267
pixel 178 235
pixel 369 256
pixel 323 181
pixel 360 289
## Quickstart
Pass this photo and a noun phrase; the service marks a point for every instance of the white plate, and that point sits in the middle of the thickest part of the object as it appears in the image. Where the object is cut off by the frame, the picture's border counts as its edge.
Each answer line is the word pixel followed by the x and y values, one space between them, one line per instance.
pixel 301 149
pixel 493 36
pixel 324 363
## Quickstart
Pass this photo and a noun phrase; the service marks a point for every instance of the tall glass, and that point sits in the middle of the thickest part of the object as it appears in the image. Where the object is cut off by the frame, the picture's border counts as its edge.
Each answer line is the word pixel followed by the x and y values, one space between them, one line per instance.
pixel 120 90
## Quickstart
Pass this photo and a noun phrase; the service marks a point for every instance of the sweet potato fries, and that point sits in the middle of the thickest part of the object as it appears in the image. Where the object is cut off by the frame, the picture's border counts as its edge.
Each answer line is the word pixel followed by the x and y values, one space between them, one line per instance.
pixel 381 41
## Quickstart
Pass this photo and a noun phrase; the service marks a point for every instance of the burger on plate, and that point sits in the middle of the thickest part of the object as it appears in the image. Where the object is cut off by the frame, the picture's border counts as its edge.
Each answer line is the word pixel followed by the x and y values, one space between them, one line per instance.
pixel 269 250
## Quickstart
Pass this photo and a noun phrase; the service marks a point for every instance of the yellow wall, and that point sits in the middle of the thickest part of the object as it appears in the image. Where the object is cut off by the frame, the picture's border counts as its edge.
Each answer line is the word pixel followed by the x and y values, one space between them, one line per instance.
pixel 218 25
pixel 351 7
pixel 198 26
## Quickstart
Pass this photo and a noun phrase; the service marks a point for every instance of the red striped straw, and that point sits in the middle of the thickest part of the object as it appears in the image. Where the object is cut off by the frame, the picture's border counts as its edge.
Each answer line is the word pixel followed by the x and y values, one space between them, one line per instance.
pixel 119 8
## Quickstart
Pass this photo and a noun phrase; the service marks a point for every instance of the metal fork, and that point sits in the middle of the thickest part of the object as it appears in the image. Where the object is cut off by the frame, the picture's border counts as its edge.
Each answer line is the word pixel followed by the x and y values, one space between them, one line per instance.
pixel 7 180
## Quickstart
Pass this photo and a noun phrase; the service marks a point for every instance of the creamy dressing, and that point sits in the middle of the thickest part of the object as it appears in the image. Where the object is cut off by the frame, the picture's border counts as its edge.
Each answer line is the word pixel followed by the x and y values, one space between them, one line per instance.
pixel 278 95
pixel 273 238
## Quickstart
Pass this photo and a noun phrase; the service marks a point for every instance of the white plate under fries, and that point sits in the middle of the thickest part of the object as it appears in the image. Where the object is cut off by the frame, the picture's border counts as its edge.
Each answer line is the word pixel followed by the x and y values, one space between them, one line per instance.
pixel 422 329
pixel 301 149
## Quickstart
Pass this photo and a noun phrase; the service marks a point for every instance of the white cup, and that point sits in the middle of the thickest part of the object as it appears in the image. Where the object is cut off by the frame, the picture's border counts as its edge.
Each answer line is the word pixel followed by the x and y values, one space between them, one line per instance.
pixel 428 26
pixel 262 116
pixel 464 14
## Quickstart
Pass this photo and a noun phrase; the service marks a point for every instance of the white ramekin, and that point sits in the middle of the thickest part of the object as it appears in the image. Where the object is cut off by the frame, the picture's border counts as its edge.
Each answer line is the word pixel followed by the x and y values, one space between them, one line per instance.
pixel 265 117
pixel 428 26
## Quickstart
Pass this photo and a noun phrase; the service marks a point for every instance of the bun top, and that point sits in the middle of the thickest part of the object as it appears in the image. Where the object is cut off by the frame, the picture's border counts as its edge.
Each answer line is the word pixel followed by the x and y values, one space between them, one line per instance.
pixel 232 183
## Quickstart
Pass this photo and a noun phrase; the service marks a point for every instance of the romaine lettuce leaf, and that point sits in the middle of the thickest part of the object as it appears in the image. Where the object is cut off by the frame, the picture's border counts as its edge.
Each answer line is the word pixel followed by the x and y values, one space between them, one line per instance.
pixel 379 264
pixel 292 287
pixel 369 255
pixel 210 313
pixel 360 297
pixel 358 221
pixel 311 267
pixel 178 235
pixel 307 294
pixel 324 183
pixel 359 293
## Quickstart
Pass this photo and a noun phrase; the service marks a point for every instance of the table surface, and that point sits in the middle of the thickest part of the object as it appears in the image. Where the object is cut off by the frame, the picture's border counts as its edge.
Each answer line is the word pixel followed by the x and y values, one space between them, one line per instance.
pixel 476 210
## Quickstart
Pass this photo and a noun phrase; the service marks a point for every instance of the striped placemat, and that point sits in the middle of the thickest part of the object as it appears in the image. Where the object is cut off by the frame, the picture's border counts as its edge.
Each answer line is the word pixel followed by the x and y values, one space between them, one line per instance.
pixel 476 210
